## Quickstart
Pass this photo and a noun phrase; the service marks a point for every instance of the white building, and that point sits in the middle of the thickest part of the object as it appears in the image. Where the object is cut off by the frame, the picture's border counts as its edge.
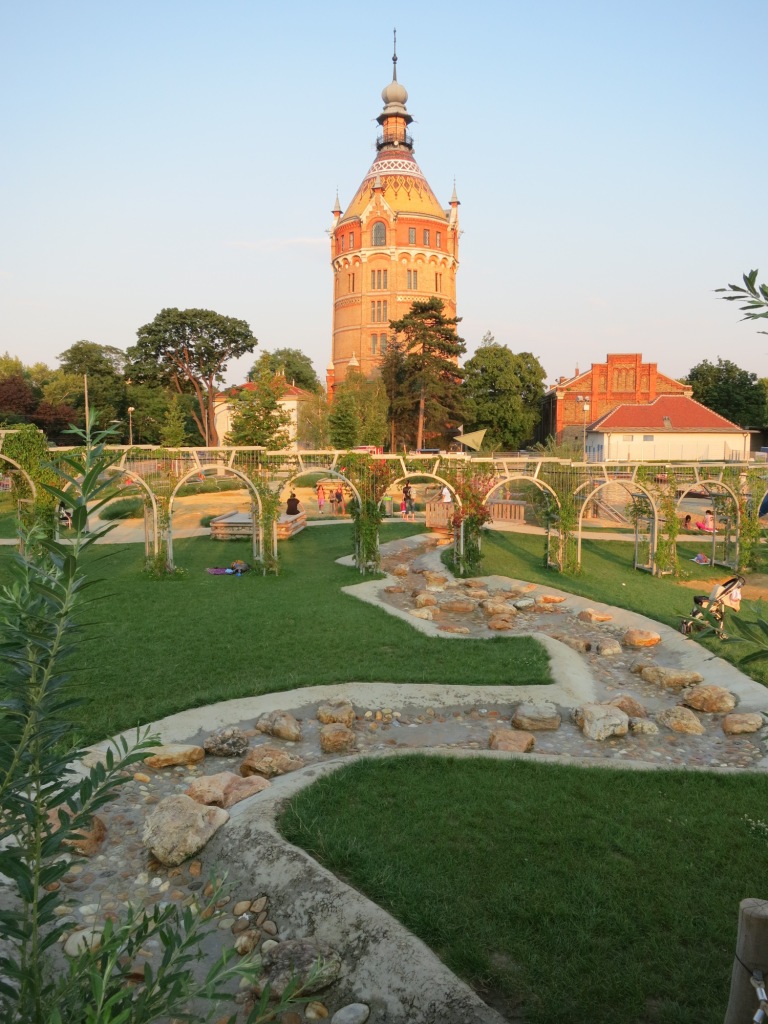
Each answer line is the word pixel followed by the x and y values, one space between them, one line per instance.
pixel 673 428
pixel 290 401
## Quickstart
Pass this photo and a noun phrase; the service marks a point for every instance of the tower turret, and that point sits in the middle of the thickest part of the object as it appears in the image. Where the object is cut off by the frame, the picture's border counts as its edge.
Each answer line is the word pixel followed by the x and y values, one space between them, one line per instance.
pixel 392 245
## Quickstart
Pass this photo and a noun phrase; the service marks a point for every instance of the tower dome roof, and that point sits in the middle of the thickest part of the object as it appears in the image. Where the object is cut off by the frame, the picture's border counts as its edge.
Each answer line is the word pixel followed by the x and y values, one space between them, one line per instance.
pixel 394 93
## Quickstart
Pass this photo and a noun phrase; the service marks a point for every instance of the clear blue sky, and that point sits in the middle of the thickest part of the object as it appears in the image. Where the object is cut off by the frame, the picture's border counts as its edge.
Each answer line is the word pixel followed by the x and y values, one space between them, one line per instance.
pixel 610 158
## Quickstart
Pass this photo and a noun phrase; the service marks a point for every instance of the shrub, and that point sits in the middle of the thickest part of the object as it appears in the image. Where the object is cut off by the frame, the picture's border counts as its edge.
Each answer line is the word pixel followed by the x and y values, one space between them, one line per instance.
pixel 123 508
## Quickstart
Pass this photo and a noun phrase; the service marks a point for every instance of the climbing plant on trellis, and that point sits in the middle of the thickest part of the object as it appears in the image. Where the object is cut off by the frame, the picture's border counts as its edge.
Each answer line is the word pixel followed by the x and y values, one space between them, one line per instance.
pixel 370 478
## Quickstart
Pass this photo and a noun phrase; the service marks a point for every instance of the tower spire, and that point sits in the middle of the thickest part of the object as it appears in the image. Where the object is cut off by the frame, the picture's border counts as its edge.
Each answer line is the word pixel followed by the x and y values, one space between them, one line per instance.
pixel 394 58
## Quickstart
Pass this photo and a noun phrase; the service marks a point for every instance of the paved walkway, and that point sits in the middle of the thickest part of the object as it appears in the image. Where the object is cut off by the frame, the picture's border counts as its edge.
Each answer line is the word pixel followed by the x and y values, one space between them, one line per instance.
pixel 383 965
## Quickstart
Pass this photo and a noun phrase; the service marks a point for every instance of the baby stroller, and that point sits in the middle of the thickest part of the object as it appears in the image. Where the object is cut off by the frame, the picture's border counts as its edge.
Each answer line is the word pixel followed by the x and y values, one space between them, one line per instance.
pixel 722 596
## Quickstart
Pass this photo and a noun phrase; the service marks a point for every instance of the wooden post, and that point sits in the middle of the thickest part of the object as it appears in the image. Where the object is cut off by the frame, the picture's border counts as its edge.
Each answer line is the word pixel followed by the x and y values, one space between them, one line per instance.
pixel 751 954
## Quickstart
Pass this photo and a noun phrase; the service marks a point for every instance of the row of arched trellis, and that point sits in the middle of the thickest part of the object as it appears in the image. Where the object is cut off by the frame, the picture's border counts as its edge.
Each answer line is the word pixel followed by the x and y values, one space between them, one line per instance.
pixel 566 490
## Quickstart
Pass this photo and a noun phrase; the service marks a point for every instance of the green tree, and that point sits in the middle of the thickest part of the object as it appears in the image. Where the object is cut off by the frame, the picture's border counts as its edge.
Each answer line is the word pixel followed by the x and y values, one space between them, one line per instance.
pixel 503 392
pixel 431 349
pixel 258 418
pixel 370 404
pixel 401 410
pixel 294 364
pixel 730 391
pixel 188 350
pixel 753 296
pixel 103 366
pixel 11 366
pixel 344 420
pixel 313 430
pixel 173 429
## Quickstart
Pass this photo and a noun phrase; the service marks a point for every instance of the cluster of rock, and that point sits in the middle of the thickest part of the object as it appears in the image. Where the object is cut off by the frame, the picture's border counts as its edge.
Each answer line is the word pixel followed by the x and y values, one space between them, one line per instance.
pixel 624 714
pixel 181 825
pixel 499 605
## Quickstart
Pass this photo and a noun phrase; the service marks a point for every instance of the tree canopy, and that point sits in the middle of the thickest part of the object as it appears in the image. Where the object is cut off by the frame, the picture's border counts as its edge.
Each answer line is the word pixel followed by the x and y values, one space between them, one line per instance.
pixel 730 391
pixel 103 366
pixel 189 349
pixel 257 416
pixel 428 376
pixel 296 367
pixel 358 414
pixel 503 393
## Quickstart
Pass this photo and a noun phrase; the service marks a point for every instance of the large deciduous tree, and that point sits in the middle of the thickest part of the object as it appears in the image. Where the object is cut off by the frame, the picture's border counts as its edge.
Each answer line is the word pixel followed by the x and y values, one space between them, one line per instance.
pixel 359 412
pixel 295 366
pixel 189 349
pixel 103 366
pixel 430 348
pixel 503 392
pixel 730 391
pixel 257 416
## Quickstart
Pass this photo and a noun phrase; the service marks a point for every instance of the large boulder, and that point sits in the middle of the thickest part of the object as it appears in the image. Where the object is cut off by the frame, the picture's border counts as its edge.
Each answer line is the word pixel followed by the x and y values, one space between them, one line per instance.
pixel 171 754
pixel 231 742
pixel 225 788
pixel 680 719
pixel 179 827
pixel 641 638
pixel 280 724
pixel 669 678
pixel 459 605
pixel 336 738
pixel 629 705
pixel 269 761
pixel 297 958
pixel 421 613
pixel 601 721
pixel 500 624
pixel 511 740
pixel 424 600
pixel 711 699
pixel 340 710
pixel 744 722
pixel 590 615
pixel 608 648
pixel 536 716
pixel 87 840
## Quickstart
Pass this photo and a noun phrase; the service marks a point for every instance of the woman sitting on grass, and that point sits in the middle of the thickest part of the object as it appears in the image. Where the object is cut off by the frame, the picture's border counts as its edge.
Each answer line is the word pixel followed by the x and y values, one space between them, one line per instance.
pixel 708 523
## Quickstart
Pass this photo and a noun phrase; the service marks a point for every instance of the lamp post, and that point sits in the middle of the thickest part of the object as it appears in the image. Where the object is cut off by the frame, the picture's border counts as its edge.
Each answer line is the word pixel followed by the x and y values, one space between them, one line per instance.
pixel 131 411
pixel 584 403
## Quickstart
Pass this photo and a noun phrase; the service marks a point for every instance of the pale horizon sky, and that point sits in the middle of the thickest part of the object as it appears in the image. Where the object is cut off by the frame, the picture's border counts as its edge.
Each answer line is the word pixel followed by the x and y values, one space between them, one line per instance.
pixel 609 158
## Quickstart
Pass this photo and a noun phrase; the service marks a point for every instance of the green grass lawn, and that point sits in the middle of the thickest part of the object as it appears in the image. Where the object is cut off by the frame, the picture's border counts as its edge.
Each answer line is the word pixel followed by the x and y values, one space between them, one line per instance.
pixel 607 576
pixel 561 894
pixel 164 646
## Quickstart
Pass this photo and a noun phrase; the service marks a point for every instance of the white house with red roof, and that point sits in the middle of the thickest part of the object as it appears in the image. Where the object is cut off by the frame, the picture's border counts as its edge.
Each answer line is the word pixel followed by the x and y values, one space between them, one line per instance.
pixel 672 428
pixel 290 400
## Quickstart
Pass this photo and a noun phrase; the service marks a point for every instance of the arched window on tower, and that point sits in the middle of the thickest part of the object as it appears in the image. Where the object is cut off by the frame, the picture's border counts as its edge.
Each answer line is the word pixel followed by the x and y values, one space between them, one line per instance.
pixel 379 233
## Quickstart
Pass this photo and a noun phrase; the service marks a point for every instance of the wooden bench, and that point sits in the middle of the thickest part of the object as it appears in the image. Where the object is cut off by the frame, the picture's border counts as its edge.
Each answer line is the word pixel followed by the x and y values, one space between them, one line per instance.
pixel 289 526
pixel 507 511
pixel 232 525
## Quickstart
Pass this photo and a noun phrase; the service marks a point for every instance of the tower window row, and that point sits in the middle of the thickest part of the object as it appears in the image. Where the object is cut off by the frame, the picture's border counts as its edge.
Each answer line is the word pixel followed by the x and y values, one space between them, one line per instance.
pixel 379 340
pixel 379 236
pixel 379 312
pixel 378 279
pixel 351 241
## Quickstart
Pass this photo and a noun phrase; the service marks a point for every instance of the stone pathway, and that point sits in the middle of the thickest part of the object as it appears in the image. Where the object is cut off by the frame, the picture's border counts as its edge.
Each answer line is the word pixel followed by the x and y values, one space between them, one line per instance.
pixel 280 895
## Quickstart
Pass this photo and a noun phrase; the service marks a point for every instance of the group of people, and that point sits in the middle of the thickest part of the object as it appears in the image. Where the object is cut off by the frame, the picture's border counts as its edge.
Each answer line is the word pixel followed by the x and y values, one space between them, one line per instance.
pixel 337 500
pixel 707 524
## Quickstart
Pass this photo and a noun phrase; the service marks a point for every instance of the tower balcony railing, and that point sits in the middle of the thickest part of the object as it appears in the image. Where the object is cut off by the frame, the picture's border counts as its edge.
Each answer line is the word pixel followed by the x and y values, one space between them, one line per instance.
pixel 389 138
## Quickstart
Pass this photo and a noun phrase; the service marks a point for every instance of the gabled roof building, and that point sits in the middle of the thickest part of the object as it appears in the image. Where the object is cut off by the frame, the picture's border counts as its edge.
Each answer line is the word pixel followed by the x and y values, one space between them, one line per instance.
pixel 572 403
pixel 672 428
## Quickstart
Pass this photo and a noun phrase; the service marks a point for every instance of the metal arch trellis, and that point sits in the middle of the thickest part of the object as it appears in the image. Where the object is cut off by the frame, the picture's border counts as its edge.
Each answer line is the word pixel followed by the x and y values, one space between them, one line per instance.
pixel 22 501
pixel 549 512
pixel 158 471
pixel 257 527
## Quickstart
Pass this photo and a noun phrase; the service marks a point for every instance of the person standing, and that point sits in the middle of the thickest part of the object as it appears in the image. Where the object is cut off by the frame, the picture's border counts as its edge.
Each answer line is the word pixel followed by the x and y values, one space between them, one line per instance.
pixel 445 495
pixel 320 498
pixel 408 498
pixel 340 503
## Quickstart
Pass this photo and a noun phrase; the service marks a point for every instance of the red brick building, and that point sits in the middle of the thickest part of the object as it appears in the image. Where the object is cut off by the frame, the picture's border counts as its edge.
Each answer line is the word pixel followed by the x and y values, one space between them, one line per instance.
pixel 574 403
